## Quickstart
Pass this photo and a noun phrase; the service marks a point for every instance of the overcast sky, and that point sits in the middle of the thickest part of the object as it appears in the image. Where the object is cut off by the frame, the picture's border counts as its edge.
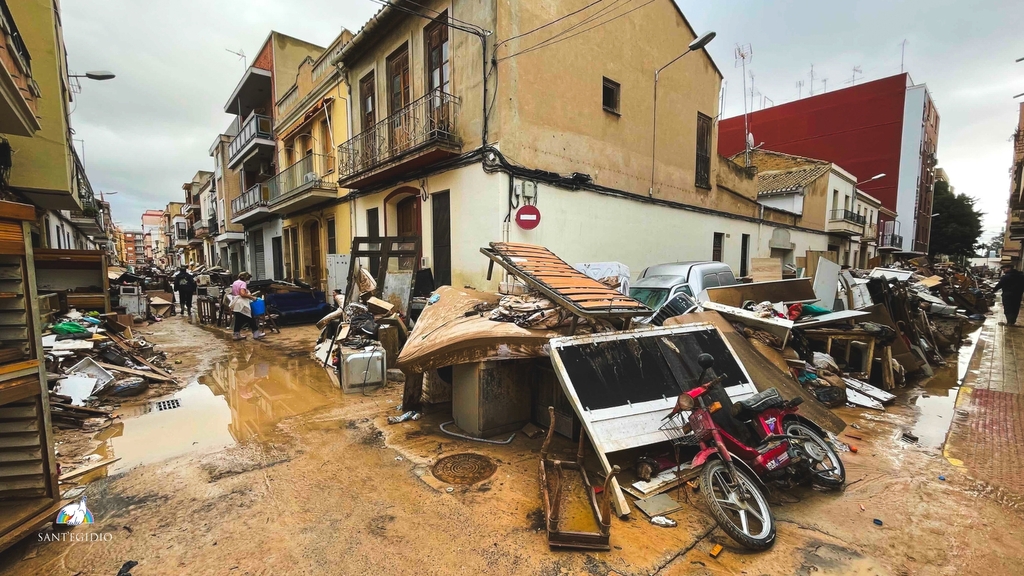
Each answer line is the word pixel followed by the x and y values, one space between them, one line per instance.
pixel 149 130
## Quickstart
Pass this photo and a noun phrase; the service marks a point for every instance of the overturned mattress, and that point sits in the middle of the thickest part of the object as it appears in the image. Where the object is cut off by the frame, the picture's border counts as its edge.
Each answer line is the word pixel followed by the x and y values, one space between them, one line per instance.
pixel 457 330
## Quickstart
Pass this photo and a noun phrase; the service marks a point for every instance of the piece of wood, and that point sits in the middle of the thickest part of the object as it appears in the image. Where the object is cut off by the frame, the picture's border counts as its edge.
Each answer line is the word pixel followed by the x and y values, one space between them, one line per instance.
pixel 932 281
pixel 133 372
pixel 86 469
pixel 766 269
pixel 888 378
pixel 378 306
pixel 120 342
pixel 83 409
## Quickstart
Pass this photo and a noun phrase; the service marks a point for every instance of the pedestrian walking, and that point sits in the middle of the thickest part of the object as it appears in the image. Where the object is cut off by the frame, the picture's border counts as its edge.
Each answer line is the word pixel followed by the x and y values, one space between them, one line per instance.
pixel 1012 285
pixel 241 307
pixel 185 286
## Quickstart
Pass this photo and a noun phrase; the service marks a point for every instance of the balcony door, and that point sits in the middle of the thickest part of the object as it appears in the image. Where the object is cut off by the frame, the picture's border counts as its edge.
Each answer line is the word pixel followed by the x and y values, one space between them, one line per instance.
pixel 399 96
pixel 438 71
pixel 368 113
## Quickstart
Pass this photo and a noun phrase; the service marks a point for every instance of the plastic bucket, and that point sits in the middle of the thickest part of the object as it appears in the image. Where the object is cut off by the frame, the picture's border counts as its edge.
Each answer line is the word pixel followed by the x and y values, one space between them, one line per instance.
pixel 258 307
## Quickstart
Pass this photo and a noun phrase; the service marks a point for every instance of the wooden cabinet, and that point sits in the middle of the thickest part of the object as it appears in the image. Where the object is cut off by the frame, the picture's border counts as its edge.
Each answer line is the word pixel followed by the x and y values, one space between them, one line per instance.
pixel 29 495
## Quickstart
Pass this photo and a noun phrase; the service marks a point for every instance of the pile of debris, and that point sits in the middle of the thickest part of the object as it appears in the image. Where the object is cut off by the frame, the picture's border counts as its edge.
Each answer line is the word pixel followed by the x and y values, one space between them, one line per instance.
pixel 92 362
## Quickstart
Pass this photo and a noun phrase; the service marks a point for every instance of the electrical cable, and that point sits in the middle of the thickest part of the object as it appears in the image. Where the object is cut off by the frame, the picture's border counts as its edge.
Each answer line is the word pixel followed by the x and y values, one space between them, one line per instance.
pixel 597 15
pixel 479 32
pixel 541 27
pixel 547 44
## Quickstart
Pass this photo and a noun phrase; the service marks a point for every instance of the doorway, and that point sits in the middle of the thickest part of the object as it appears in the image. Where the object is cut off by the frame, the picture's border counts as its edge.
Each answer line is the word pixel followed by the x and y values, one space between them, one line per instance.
pixel 408 212
pixel 441 232
pixel 278 252
pixel 311 255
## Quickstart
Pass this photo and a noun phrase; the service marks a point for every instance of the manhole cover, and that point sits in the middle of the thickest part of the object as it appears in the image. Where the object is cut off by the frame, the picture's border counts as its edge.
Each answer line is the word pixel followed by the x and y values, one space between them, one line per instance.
pixel 464 468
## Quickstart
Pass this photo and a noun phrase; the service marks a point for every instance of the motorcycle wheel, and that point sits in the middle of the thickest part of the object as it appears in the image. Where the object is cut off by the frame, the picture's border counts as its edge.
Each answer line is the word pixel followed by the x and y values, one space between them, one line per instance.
pixel 748 521
pixel 829 471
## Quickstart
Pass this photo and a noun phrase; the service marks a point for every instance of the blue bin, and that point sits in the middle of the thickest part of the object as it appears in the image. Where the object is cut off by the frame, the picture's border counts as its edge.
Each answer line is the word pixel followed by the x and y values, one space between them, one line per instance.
pixel 258 307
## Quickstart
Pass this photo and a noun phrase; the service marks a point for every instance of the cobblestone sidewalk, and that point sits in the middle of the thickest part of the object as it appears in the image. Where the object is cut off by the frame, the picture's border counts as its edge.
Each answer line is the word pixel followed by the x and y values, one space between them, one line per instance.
pixel 987 434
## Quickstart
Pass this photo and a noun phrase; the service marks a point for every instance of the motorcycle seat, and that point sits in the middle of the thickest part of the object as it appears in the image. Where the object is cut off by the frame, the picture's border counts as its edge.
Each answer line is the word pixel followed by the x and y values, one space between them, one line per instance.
pixel 759 403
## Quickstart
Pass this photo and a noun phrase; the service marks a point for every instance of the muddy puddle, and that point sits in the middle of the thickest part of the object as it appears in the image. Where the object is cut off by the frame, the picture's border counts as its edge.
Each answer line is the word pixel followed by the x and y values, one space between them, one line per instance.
pixel 240 400
pixel 936 403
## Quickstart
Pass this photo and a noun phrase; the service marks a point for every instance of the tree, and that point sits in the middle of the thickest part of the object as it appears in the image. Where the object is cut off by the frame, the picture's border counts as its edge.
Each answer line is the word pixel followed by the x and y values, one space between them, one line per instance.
pixel 995 244
pixel 957 226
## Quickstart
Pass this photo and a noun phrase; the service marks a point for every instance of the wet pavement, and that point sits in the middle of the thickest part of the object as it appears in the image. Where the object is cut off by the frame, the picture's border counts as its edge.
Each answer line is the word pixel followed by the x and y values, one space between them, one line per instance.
pixel 260 465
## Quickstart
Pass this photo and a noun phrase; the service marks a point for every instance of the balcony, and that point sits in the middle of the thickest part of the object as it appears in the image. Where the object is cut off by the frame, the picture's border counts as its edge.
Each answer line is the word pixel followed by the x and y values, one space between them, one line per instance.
pixel 870 233
pixel 253 146
pixel 306 183
pixel 890 242
pixel 193 238
pixel 251 206
pixel 87 221
pixel 420 134
pixel 18 91
pixel 212 226
pixel 1016 225
pixel 845 223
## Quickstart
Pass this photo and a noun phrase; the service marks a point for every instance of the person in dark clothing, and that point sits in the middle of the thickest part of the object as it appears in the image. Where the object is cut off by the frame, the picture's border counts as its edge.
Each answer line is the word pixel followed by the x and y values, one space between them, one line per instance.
pixel 185 285
pixel 1012 285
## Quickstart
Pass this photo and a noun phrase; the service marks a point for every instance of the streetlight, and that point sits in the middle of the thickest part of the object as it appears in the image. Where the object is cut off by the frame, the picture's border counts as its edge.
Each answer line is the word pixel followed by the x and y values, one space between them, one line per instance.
pixel 697 44
pixel 95 75
pixel 872 179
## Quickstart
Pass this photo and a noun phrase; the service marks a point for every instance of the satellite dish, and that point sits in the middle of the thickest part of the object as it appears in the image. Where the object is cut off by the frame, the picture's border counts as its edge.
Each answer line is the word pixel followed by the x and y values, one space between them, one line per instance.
pixel 750 140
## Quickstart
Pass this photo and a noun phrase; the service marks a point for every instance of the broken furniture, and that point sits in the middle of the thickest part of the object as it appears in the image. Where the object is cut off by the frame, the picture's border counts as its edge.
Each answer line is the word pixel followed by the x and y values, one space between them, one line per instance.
pixel 491 398
pixel 574 515
pixel 584 297
pixel 621 384
pixel 384 257
pixel 29 494
pixel 851 338
pixel 81 274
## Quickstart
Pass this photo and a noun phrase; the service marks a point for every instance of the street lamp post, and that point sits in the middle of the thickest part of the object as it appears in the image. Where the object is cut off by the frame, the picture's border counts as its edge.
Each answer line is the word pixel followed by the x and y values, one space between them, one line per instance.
pixel 872 179
pixel 697 44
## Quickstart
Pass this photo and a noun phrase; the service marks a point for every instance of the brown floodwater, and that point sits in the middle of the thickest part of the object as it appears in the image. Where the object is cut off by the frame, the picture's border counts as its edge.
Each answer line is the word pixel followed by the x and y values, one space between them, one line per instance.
pixel 936 403
pixel 241 399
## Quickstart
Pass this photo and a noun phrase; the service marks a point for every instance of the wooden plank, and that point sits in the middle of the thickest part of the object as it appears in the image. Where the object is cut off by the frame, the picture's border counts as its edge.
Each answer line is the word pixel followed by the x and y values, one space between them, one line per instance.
pixel 121 344
pixel 86 469
pixel 17 211
pixel 765 269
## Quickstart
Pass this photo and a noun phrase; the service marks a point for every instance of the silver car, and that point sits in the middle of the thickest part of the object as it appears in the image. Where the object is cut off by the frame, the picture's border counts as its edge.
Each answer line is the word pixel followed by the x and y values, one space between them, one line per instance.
pixel 658 284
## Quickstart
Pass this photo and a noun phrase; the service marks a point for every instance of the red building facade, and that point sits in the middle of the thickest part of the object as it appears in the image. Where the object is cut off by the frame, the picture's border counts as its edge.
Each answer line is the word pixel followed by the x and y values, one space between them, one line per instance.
pixel 888 126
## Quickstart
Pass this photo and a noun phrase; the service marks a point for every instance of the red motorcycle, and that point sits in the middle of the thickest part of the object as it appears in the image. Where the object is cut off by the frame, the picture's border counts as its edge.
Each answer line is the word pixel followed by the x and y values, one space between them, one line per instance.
pixel 788 450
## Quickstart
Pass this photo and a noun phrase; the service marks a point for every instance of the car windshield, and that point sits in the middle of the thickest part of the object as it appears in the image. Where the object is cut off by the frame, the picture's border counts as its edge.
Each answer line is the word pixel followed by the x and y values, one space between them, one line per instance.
pixel 652 297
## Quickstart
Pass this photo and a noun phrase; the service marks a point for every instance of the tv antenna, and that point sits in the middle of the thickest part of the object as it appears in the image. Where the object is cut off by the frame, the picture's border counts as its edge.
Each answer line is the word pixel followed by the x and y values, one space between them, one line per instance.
pixel 745 53
pixel 824 84
pixel 903 51
pixel 853 79
pixel 811 86
pixel 241 56
pixel 799 89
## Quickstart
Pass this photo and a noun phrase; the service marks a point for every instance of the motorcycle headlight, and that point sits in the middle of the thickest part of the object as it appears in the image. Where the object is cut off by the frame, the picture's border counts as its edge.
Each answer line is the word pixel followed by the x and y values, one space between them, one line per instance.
pixel 685 402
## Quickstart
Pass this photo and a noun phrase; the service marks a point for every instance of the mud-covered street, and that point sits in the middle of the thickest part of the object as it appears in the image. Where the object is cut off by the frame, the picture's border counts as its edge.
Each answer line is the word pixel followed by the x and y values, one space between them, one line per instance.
pixel 265 467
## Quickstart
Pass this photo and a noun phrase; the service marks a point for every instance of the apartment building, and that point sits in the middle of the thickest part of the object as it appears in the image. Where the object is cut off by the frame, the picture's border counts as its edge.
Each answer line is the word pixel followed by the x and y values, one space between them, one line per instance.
pixel 312 119
pixel 196 227
pixel 45 171
pixel 820 195
pixel 252 153
pixel 888 126
pixel 474 130
pixel 1013 239
pixel 228 237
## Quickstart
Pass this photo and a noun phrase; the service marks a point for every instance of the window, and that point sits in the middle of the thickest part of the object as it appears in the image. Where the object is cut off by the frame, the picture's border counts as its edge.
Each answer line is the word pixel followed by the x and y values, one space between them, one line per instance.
pixel 181 230
pixel 367 101
pixel 332 239
pixel 49 237
pixel 717 245
pixel 702 173
pixel 438 55
pixel 610 96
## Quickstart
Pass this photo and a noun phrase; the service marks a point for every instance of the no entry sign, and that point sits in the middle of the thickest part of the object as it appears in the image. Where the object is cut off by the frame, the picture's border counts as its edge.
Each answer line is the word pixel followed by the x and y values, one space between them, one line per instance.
pixel 528 217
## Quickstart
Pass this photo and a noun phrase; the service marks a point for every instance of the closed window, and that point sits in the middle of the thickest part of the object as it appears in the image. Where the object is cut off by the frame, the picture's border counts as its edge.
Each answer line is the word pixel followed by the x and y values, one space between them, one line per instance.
pixel 703 170
pixel 610 96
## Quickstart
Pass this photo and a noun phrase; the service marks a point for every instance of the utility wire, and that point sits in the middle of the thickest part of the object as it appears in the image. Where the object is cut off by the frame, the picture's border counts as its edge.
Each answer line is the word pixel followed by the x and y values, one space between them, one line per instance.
pixel 466 26
pixel 546 44
pixel 597 15
pixel 541 27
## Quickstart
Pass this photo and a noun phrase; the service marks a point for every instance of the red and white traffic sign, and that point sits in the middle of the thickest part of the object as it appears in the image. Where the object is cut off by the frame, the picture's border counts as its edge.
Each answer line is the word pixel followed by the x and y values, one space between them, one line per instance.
pixel 528 217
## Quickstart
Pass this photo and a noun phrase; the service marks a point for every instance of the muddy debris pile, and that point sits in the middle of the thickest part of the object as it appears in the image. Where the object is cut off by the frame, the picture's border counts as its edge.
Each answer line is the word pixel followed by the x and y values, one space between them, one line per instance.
pixel 92 362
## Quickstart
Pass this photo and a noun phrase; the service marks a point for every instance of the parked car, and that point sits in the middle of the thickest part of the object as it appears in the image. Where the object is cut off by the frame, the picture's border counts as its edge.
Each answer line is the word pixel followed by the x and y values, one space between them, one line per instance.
pixel 663 282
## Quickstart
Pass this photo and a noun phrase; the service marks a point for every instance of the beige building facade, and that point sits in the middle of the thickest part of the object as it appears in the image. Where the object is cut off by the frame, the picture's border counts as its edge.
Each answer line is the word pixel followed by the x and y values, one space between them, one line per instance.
pixel 569 128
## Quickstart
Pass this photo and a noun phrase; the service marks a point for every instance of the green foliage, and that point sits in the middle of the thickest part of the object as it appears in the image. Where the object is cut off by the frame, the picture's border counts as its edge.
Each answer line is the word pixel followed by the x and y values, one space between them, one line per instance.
pixel 957 228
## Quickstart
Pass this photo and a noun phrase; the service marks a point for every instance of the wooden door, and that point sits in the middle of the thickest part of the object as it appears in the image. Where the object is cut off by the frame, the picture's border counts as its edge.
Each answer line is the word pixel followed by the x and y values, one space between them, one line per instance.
pixel 399 96
pixel 368 113
pixel 313 265
pixel 409 217
pixel 438 71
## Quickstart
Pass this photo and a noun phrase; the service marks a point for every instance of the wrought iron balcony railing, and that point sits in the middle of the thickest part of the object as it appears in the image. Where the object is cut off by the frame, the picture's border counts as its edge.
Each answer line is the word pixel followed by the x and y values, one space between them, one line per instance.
pixel 213 225
pixel 849 216
pixel 890 241
pixel 253 198
pixel 256 127
pixel 432 118
pixel 313 169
